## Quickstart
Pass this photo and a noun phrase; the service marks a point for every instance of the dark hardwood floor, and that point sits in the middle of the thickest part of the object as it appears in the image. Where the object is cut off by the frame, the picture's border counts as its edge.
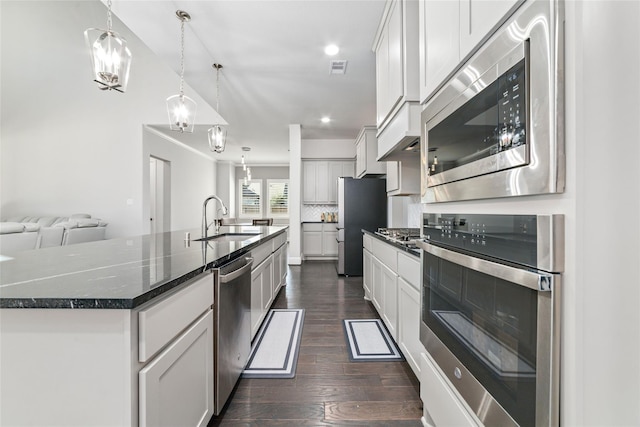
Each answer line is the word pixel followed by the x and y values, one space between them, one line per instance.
pixel 328 389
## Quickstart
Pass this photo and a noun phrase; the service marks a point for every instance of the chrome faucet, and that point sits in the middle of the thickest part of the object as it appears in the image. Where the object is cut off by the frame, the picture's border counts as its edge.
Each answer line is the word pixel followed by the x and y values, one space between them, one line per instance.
pixel 217 221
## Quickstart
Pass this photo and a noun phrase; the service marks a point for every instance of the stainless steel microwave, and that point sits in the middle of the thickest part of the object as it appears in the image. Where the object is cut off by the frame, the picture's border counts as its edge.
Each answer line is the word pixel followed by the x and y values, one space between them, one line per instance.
pixel 495 129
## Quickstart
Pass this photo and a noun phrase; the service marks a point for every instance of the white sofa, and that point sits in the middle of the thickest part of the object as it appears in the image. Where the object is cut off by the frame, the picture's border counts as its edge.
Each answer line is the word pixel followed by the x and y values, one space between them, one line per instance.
pixel 18 233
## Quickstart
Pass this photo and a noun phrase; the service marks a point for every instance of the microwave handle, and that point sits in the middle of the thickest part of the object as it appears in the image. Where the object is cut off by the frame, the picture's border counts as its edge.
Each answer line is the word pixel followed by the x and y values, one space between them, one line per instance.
pixel 520 276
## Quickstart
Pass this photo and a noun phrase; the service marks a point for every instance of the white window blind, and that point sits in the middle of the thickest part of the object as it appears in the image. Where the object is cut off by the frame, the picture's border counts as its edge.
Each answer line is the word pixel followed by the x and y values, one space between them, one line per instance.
pixel 251 198
pixel 278 196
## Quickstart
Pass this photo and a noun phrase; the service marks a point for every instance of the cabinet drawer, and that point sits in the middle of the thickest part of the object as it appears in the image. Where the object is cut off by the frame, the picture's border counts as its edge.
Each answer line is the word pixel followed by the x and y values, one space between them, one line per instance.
pixel 161 322
pixel 312 226
pixel 367 242
pixel 440 399
pixel 386 253
pixel 261 253
pixel 279 240
pixel 409 269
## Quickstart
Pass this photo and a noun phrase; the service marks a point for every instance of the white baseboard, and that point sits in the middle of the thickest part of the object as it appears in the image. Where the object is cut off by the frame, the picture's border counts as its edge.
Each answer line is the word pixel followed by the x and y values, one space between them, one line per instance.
pixel 294 261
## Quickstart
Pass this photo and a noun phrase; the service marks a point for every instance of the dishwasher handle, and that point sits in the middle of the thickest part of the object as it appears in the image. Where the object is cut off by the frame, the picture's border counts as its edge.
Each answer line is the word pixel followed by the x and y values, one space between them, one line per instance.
pixel 225 278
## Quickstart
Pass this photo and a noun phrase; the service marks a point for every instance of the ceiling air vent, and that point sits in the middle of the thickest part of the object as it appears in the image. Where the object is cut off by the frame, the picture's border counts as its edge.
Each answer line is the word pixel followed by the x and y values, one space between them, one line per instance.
pixel 338 66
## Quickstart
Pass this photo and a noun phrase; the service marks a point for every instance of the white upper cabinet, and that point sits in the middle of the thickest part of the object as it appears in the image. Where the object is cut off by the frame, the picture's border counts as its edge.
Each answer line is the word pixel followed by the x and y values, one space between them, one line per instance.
pixel 396 49
pixel 320 180
pixel 478 19
pixel 450 31
pixel 439 43
pixel 366 151
pixel 403 178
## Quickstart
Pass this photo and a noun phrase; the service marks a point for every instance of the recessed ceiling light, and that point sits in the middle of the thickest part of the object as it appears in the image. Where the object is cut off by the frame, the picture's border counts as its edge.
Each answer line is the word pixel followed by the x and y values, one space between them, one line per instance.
pixel 325 119
pixel 331 50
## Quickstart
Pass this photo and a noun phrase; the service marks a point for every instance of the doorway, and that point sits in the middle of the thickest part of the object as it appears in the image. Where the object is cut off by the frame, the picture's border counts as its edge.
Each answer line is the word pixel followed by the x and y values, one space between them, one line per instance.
pixel 159 195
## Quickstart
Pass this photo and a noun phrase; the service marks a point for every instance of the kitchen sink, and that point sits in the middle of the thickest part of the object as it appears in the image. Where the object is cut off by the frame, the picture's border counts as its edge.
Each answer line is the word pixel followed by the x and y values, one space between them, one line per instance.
pixel 228 237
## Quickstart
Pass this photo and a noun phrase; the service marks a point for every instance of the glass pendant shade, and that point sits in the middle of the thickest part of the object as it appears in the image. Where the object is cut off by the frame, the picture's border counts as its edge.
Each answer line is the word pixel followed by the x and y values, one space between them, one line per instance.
pixel 110 58
pixel 217 138
pixel 182 113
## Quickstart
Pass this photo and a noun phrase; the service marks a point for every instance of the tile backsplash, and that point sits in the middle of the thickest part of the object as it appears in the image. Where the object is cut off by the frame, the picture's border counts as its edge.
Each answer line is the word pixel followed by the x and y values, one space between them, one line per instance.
pixel 314 212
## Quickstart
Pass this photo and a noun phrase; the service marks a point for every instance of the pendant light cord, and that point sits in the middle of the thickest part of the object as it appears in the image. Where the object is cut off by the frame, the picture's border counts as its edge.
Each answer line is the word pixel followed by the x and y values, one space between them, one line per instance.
pixel 109 23
pixel 181 58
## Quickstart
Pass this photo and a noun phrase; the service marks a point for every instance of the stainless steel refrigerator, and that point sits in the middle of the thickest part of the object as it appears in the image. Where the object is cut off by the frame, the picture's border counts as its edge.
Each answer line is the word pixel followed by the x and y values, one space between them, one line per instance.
pixel 362 204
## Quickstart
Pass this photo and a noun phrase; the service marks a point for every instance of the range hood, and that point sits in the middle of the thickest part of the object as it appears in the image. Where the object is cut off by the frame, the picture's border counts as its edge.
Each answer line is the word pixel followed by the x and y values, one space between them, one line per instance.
pixel 400 138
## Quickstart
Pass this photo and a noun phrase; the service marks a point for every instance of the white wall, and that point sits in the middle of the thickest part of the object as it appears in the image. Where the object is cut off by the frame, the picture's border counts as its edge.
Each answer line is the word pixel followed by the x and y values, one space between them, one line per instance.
pixel 226 186
pixel 295 194
pixel 328 149
pixel 192 180
pixel 67 147
pixel 600 373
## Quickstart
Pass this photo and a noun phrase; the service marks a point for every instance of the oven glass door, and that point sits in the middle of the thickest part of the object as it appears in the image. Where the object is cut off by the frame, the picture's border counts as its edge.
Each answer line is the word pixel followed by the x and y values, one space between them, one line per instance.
pixel 490 325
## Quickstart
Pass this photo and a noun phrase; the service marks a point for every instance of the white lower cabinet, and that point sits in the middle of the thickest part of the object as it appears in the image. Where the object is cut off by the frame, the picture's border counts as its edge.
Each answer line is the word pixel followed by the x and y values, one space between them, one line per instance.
pixel 408 329
pixel 392 280
pixel 367 260
pixel 268 275
pixel 441 404
pixel 390 297
pixel 319 240
pixel 176 387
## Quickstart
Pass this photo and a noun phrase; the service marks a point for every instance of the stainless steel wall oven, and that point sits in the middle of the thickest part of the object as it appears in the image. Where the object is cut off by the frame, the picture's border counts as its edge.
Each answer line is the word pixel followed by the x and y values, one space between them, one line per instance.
pixel 495 129
pixel 490 312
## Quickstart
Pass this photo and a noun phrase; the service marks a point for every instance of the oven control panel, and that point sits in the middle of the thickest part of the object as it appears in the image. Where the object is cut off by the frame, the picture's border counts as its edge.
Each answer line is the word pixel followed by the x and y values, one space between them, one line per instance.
pixel 510 238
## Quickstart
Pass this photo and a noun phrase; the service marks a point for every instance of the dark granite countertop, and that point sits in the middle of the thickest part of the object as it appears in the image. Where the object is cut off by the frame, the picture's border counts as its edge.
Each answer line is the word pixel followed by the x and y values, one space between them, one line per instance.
pixel 410 251
pixel 117 273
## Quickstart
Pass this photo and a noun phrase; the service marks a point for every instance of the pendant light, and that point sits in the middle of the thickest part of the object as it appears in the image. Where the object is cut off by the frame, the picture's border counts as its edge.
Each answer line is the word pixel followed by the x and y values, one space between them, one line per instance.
pixel 217 134
pixel 247 169
pixel 181 108
pixel 110 56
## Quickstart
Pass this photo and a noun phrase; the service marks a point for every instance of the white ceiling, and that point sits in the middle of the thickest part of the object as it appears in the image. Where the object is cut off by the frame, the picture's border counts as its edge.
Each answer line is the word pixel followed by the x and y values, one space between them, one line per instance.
pixel 275 72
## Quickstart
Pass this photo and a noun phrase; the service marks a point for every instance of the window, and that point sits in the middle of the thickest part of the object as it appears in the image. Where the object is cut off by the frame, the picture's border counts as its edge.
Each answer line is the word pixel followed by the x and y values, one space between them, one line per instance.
pixel 251 198
pixel 278 198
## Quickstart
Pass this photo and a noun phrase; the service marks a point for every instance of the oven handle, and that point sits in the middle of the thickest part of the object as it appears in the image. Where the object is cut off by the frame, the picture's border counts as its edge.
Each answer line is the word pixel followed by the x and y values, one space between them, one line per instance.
pixel 530 279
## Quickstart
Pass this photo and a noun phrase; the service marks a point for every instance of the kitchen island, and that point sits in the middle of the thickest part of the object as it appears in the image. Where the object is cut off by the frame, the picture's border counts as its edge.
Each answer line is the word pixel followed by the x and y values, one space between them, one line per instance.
pixel 87 331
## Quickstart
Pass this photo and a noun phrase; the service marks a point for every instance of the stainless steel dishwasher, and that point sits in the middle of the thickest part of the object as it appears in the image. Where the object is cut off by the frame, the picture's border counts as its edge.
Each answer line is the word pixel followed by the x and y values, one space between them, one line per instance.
pixel 232 325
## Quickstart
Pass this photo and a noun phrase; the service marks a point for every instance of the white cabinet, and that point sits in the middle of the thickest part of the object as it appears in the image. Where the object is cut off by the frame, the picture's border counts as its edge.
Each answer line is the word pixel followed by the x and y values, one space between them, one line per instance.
pixel 176 387
pixel 338 169
pixel 268 275
pixel 403 178
pixel 439 43
pixel 450 31
pixel 316 182
pixel 478 18
pixel 396 49
pixel 261 293
pixel 392 278
pixel 390 300
pixel 320 180
pixel 409 324
pixel 367 152
pixel 319 240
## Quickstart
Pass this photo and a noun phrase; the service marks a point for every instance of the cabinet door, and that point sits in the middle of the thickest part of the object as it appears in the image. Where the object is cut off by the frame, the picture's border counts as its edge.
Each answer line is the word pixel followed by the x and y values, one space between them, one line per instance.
pixel 439 43
pixel 409 324
pixel 277 274
pixel 335 172
pixel 393 179
pixel 361 156
pixel 309 170
pixel 312 243
pixel 477 20
pixel 330 243
pixel 256 300
pixel 382 77
pixel 377 294
pixel 367 273
pixel 396 82
pixel 322 182
pixel 390 306
pixel 176 388
pixel 348 169
pixel 267 285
